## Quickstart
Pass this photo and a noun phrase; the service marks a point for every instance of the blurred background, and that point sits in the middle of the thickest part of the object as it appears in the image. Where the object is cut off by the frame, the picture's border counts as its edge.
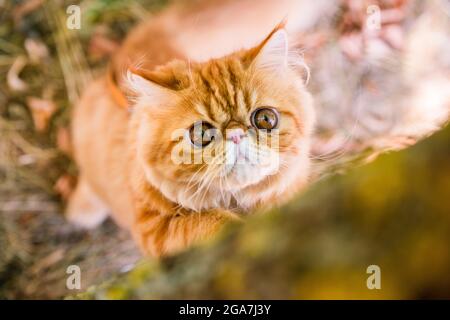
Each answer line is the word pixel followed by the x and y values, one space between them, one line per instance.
pixel 380 75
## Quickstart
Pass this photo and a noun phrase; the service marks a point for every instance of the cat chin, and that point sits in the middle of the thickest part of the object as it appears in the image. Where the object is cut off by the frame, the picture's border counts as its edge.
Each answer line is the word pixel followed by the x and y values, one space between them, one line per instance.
pixel 219 194
pixel 244 175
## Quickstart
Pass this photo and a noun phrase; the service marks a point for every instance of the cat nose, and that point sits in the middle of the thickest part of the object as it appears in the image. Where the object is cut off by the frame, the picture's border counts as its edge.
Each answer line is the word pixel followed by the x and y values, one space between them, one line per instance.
pixel 235 135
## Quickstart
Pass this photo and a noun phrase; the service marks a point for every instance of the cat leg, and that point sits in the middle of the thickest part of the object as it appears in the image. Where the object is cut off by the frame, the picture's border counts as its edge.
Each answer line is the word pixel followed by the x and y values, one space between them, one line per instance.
pixel 85 209
pixel 160 234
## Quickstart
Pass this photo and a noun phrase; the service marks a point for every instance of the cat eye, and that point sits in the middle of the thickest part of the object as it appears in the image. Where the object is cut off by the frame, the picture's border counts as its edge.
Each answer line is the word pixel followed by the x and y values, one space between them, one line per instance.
pixel 201 133
pixel 265 118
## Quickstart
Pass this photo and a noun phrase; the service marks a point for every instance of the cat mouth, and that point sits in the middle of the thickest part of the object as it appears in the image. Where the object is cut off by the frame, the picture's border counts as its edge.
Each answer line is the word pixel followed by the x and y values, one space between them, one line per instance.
pixel 240 160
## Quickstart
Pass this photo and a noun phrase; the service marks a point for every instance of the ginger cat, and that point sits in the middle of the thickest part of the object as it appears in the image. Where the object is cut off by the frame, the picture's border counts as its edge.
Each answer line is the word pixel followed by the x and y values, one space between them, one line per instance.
pixel 246 115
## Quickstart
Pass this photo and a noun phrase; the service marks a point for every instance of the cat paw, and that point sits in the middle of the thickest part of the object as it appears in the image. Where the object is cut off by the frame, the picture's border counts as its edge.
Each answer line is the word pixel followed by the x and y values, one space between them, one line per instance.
pixel 85 209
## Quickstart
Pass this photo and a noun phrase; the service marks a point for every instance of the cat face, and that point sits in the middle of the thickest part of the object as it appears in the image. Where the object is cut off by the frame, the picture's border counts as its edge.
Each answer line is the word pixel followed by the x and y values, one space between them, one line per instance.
pixel 231 132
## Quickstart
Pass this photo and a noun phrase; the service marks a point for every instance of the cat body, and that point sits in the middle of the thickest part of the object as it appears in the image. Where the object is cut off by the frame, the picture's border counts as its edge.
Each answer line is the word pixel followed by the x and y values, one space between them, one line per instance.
pixel 123 134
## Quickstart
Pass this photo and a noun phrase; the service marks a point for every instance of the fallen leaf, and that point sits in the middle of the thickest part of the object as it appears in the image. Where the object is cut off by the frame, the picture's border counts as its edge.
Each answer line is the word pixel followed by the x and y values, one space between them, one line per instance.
pixel 12 78
pixel 41 110
pixel 352 45
pixel 357 36
pixel 26 159
pixel 100 46
pixel 48 261
pixel 394 36
pixel 36 49
pixel 63 141
pixel 65 185
pixel 26 218
pixel 25 8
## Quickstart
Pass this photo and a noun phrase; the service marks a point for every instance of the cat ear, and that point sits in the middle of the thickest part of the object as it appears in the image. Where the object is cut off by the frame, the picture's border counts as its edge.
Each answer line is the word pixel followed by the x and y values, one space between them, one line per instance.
pixel 272 52
pixel 151 83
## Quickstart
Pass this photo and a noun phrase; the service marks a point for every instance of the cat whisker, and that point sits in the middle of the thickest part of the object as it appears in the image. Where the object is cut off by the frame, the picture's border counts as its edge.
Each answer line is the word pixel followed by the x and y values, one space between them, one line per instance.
pixel 215 170
pixel 204 182
pixel 191 180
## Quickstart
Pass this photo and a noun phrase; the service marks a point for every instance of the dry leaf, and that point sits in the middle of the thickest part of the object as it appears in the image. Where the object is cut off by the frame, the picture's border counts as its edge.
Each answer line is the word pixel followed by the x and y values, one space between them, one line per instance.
pixel 65 185
pixel 36 49
pixel 25 8
pixel 13 80
pixel 26 159
pixel 100 46
pixel 352 45
pixel 48 261
pixel 41 110
pixel 356 35
pixel 26 218
pixel 63 140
